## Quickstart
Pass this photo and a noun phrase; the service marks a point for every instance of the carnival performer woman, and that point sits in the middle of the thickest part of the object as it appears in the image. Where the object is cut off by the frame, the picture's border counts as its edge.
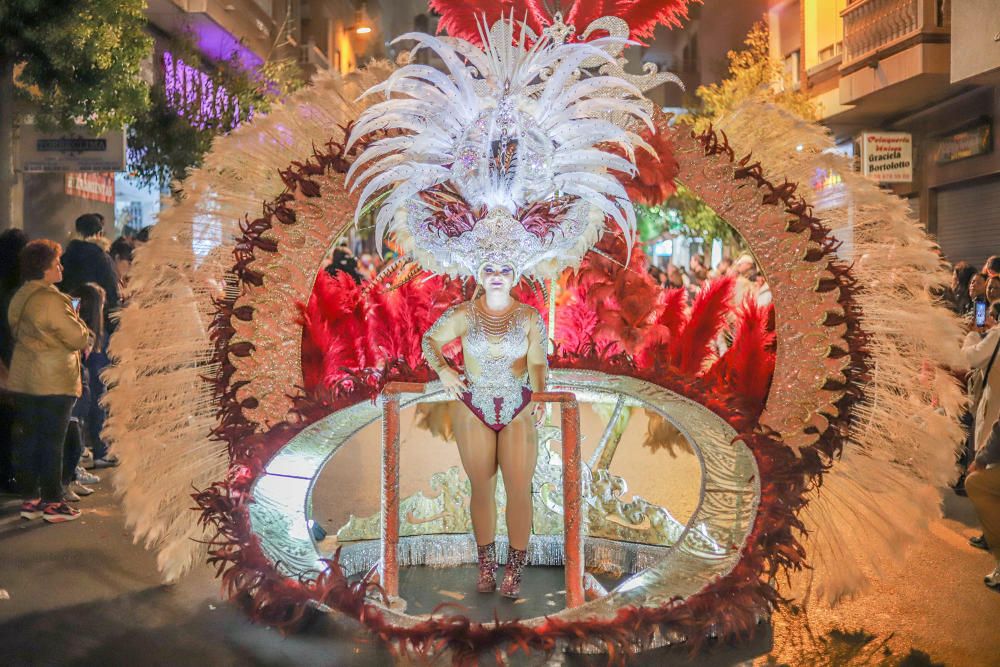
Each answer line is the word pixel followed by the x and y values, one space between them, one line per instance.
pixel 491 172
pixel 503 346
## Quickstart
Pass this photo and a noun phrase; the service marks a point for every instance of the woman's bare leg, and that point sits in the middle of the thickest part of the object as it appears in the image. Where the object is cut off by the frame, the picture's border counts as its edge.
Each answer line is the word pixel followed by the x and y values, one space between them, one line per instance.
pixel 517 451
pixel 477 446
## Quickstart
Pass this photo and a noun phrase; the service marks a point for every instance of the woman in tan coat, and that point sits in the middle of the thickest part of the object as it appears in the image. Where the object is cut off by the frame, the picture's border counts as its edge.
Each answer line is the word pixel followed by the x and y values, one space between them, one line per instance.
pixel 45 379
pixel 982 353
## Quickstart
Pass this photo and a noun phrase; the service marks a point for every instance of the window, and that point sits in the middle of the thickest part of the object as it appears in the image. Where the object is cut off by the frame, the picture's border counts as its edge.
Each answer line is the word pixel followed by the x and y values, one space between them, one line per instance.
pixel 831 51
pixel 943 13
pixel 823 29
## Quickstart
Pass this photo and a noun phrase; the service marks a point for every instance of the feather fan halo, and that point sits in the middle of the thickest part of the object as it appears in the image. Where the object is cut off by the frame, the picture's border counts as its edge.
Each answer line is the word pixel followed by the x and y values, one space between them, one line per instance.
pixel 514 156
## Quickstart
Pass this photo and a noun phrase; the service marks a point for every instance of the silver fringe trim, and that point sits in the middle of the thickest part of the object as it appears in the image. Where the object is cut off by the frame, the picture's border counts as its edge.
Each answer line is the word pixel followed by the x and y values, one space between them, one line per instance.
pixel 600 555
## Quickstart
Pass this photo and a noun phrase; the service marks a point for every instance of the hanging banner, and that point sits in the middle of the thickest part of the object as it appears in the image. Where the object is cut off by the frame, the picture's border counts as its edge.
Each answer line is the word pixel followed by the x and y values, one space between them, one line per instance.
pixel 89 185
pixel 887 157
pixel 973 141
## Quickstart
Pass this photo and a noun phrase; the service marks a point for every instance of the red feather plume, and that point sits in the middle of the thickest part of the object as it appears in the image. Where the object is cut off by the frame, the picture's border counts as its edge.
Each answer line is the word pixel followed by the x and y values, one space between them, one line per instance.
pixel 346 330
pixel 654 180
pixel 643 16
pixel 458 17
pixel 624 302
pixel 334 333
pixel 746 368
pixel 576 324
pixel 673 315
pixel 691 349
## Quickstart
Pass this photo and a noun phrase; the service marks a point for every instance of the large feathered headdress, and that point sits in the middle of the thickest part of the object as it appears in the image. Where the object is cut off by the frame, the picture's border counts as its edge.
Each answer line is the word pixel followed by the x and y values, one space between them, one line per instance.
pixel 514 156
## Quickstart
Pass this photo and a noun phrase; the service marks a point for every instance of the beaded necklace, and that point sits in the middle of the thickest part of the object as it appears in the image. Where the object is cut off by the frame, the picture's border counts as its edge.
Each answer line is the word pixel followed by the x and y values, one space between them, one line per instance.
pixel 495 325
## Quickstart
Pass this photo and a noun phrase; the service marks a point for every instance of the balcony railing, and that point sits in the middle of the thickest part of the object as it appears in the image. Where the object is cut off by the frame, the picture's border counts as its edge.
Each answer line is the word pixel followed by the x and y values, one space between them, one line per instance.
pixel 877 27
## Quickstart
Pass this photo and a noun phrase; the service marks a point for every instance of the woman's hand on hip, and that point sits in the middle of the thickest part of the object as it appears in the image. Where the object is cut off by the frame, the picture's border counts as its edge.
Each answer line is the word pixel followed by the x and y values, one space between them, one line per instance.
pixel 452 382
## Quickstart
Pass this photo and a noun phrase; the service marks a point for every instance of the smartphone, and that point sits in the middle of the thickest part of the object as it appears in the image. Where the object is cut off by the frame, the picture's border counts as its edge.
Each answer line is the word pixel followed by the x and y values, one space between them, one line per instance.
pixel 76 304
pixel 981 313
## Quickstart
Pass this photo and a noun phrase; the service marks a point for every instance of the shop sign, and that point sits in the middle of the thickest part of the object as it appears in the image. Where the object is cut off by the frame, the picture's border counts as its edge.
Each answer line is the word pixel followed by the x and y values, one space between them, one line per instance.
pixel 976 140
pixel 887 157
pixel 91 185
pixel 72 151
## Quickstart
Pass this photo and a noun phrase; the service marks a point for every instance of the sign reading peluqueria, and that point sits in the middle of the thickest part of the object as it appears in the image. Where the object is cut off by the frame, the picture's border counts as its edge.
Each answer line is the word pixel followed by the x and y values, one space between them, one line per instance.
pixel 887 157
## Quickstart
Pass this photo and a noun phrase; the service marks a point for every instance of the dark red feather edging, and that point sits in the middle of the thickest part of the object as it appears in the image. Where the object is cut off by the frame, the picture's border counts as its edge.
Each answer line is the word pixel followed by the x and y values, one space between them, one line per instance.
pixel 727 609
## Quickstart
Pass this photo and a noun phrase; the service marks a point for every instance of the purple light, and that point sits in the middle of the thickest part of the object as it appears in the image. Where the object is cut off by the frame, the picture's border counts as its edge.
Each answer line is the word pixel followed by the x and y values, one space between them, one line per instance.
pixel 218 44
pixel 196 97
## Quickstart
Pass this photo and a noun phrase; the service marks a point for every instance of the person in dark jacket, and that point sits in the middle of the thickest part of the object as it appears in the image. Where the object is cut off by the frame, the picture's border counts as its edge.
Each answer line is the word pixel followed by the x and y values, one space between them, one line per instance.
pixel 344 262
pixel 87 261
pixel 88 409
pixel 12 242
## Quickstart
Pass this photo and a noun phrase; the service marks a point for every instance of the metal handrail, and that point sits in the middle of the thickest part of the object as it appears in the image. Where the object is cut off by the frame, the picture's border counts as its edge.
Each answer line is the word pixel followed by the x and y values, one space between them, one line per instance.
pixel 388 569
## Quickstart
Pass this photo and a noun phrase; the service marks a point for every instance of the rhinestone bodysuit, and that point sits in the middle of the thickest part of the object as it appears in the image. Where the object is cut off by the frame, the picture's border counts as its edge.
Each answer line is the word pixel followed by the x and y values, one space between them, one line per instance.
pixel 495 393
pixel 496 359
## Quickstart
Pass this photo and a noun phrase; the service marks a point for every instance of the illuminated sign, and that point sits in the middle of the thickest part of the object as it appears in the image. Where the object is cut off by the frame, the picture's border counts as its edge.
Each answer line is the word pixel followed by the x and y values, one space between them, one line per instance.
pixel 887 157
pixel 92 186
pixel 977 140
pixel 74 150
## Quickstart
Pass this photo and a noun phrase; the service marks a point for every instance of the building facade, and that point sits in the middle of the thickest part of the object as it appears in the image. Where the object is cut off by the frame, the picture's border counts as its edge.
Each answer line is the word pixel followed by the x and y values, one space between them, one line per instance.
pixel 314 34
pixel 697 51
pixel 924 70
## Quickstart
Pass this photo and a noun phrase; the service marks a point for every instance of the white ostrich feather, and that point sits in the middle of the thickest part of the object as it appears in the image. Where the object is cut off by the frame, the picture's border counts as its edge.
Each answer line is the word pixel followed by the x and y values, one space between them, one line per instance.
pixel 905 434
pixel 161 410
pixel 529 101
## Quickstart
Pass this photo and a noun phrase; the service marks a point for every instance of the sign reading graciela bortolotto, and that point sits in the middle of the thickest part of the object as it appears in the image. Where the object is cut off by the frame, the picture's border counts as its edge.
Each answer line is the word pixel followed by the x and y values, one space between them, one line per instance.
pixel 887 157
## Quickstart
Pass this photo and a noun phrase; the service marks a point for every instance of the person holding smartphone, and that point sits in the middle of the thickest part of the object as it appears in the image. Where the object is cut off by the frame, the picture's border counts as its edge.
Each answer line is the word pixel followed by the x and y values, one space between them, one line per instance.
pixel 979 311
pixel 980 350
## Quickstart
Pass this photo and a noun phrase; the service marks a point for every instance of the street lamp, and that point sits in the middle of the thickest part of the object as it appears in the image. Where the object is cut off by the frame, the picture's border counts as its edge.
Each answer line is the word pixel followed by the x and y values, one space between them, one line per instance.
pixel 362 24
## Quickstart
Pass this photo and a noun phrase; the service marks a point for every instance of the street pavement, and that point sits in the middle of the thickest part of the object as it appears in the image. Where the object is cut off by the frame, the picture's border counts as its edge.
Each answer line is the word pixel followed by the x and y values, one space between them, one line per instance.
pixel 83 594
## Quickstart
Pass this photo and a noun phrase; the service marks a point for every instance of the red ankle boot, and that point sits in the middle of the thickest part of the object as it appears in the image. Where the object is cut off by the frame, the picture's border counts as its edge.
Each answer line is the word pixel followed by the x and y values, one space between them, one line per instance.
pixel 487 568
pixel 511 586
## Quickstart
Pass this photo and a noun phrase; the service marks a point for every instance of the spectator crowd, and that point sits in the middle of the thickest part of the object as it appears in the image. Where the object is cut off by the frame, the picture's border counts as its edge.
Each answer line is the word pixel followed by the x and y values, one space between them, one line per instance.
pixel 58 310
pixel 972 289
pixel 975 295
pixel 749 280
